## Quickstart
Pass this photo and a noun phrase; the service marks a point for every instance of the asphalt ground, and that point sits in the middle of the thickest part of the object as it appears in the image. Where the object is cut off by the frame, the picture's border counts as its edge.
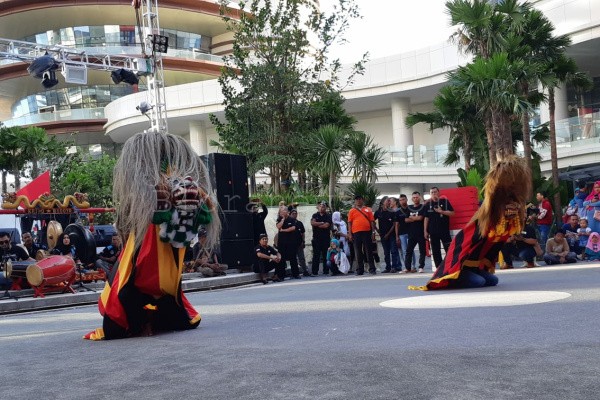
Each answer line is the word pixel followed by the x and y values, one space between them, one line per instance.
pixel 535 336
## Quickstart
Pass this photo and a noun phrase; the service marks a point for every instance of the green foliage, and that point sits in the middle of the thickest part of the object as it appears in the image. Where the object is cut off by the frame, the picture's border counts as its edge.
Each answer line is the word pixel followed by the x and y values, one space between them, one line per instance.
pixel 275 75
pixel 93 177
pixel 367 189
pixel 471 178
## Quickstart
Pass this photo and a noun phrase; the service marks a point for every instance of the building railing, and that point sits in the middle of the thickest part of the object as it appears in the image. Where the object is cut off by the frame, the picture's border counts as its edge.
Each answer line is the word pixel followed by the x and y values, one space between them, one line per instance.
pixel 57 116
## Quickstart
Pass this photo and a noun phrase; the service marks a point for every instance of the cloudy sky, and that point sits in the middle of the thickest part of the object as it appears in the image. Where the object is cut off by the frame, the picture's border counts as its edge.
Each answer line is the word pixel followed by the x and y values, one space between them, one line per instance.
pixel 393 26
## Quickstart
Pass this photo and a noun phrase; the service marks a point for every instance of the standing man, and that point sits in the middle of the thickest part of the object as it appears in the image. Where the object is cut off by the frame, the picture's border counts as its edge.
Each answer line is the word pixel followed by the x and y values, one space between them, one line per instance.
pixel 288 243
pixel 300 231
pixel 386 219
pixel 401 228
pixel 361 224
pixel 258 219
pixel 544 217
pixel 437 224
pixel 415 232
pixel 321 226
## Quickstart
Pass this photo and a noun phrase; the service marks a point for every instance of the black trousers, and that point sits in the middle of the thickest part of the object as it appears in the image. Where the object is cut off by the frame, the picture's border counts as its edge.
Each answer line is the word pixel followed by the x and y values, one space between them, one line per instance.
pixel 319 253
pixel 436 249
pixel 362 249
pixel 410 249
pixel 289 252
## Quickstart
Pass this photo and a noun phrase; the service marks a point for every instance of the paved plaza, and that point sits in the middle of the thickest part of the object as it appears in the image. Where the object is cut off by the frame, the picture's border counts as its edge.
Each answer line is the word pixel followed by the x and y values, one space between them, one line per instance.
pixel 535 336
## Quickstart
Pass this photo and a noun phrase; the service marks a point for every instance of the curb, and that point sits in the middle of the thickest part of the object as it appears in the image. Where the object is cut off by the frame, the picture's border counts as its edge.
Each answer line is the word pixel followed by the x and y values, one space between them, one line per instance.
pixel 24 301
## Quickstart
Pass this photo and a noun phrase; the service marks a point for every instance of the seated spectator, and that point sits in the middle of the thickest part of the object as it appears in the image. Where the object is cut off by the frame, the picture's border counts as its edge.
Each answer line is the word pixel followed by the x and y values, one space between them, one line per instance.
pixel 31 246
pixel 583 234
pixel 206 261
pixel 558 251
pixel 64 247
pixel 592 250
pixel 522 245
pixel 332 257
pixel 109 255
pixel 10 252
pixel 570 229
pixel 268 258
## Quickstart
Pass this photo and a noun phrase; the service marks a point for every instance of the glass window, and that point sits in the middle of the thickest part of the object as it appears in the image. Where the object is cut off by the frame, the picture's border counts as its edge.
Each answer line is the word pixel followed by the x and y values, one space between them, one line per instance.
pixel 82 35
pixel 41 38
pixel 128 36
pixel 53 37
pixel 112 35
pixel 97 35
pixel 67 37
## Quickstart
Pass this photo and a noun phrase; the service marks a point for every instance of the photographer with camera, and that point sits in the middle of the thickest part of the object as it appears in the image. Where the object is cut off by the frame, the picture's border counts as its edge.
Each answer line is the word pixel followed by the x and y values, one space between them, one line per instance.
pixel 523 245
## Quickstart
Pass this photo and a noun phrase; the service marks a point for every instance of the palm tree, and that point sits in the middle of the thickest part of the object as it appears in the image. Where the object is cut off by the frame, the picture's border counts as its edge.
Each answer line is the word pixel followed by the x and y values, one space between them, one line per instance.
pixel 365 157
pixel 491 85
pixel 559 71
pixel 327 149
pixel 452 112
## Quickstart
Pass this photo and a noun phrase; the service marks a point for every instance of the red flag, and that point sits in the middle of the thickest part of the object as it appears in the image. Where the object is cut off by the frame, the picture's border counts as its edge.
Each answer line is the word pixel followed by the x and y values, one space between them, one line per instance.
pixel 36 187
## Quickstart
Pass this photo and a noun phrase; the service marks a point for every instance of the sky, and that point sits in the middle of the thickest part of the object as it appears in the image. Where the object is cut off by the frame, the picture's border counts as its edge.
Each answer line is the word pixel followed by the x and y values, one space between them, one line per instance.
pixel 392 27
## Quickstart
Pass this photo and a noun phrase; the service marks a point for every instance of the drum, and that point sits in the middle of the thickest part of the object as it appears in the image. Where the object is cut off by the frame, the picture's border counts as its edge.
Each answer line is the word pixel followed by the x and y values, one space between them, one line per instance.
pixel 17 269
pixel 53 270
pixel 41 254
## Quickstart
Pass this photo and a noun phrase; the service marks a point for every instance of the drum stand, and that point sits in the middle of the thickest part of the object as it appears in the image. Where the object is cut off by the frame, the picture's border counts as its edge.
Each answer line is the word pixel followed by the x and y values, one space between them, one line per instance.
pixel 80 285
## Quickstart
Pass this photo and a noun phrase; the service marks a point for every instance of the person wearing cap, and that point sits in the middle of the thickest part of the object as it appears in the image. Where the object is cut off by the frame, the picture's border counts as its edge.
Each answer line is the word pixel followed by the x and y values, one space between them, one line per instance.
pixel 288 242
pixel 267 258
pixel 206 260
pixel 258 219
pixel 558 251
pixel 361 225
pixel 321 226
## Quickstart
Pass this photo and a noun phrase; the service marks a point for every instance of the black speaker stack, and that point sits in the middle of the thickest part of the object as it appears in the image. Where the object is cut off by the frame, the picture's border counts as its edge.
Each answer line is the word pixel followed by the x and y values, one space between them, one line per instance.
pixel 228 175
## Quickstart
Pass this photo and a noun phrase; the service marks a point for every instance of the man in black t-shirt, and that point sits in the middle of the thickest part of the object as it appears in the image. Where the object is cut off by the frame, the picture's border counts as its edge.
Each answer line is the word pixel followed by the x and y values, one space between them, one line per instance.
pixel 386 219
pixel 415 233
pixel 437 224
pixel 321 225
pixel 288 242
pixel 300 232
pixel 401 228
pixel 12 253
pixel 268 258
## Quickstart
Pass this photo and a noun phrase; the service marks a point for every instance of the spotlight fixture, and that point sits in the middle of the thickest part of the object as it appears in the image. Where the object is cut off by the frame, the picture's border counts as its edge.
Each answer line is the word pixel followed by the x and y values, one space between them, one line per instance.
pixel 160 44
pixel 124 75
pixel 44 68
pixel 144 107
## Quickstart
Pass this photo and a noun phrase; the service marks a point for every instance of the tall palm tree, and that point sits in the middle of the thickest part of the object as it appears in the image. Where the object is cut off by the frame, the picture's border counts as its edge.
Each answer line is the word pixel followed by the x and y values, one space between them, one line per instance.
pixel 365 156
pixel 491 85
pixel 327 149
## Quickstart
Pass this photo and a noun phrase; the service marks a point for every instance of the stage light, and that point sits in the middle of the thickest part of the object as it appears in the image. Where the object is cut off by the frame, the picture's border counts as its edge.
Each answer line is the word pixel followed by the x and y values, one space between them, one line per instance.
pixel 160 44
pixel 144 107
pixel 49 80
pixel 123 75
pixel 44 68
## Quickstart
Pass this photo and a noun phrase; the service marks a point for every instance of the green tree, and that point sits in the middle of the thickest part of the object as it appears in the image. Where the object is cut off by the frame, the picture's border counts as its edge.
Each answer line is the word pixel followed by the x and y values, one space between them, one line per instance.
pixel 327 154
pixel 365 156
pixel 94 177
pixel 279 67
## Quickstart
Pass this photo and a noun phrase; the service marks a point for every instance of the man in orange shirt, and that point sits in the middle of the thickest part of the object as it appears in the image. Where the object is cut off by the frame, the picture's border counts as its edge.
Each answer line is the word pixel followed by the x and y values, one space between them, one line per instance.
pixel 361 226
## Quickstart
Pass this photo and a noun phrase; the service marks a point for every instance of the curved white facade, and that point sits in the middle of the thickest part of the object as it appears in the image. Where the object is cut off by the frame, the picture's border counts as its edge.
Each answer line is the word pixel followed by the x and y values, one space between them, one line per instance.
pixel 390 88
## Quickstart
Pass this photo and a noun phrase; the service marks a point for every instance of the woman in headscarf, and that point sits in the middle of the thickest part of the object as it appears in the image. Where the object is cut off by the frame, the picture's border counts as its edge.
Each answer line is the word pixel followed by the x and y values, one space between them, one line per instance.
pixel 64 247
pixel 340 231
pixel 591 205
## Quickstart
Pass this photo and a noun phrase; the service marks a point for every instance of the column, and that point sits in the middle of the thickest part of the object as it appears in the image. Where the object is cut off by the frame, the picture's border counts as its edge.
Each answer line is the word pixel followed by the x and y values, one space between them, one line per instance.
pixel 403 136
pixel 198 139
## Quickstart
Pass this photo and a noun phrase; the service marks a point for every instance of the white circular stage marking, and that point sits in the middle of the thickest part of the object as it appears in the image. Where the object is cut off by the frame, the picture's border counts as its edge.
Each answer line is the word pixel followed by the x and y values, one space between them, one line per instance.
pixel 476 299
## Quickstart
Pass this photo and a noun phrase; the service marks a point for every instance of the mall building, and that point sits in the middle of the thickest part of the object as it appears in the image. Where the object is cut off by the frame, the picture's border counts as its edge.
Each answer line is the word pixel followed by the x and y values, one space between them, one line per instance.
pixel 101 115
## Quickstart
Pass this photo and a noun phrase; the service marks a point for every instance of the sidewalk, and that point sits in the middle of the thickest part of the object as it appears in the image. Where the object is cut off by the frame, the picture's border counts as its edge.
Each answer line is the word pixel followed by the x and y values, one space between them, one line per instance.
pixel 191 282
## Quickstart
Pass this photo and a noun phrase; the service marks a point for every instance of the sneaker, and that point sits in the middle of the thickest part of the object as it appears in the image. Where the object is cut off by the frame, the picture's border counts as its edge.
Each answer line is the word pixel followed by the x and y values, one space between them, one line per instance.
pixel 307 274
pixel 506 266
pixel 393 271
pixel 530 265
pixel 421 270
pixel 386 271
pixel 408 271
pixel 374 272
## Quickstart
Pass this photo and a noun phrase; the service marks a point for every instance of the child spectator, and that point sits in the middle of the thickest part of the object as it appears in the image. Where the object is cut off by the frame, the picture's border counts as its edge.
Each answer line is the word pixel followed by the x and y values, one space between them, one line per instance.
pixel 583 233
pixel 592 250
pixel 332 252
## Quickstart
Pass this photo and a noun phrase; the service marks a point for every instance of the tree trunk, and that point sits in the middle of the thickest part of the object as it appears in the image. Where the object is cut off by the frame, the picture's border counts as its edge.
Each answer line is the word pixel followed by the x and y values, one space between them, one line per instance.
pixel 467 150
pixel 527 144
pixel 35 168
pixel 489 132
pixel 332 182
pixel 252 183
pixel 4 187
pixel 553 155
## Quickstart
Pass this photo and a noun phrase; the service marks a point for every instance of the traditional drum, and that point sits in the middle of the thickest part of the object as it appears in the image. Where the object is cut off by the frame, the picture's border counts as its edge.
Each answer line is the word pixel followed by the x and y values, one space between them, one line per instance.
pixel 84 242
pixel 52 273
pixel 16 270
pixel 41 254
